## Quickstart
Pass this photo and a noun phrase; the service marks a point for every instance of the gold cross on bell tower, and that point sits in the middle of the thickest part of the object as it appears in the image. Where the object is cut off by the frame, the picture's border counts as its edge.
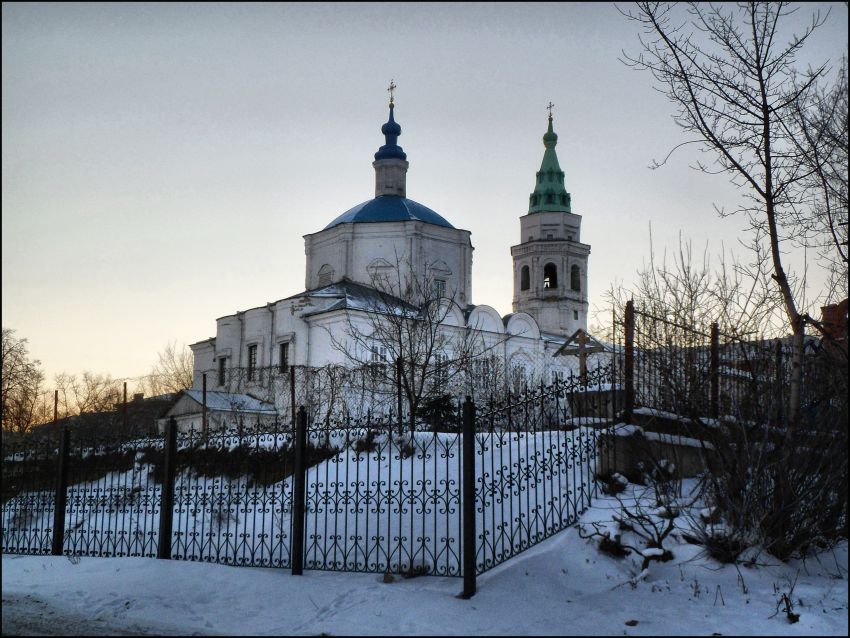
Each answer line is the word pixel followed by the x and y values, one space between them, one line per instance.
pixel 391 88
pixel 549 106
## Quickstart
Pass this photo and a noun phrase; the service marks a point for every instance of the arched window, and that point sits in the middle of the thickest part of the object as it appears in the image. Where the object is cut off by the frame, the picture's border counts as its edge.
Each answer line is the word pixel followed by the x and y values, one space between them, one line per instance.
pixel 550 276
pixel 523 278
pixel 326 275
pixel 575 278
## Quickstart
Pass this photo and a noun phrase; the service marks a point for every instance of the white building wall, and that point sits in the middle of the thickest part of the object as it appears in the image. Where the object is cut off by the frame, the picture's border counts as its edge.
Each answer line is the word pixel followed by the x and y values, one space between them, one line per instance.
pixel 352 250
pixel 203 354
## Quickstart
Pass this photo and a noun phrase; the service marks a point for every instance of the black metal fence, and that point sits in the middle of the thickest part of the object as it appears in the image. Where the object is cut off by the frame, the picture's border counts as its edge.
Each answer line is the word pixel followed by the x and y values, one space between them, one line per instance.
pixel 701 376
pixel 344 494
pixel 699 372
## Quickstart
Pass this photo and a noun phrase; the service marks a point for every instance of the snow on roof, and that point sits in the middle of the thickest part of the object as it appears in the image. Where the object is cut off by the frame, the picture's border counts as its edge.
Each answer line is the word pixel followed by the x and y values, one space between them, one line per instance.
pixel 226 401
pixel 353 296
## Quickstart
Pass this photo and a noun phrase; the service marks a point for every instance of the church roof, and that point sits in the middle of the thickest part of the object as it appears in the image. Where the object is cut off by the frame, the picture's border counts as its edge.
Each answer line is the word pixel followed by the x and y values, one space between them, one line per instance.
pixel 351 295
pixel 549 191
pixel 390 208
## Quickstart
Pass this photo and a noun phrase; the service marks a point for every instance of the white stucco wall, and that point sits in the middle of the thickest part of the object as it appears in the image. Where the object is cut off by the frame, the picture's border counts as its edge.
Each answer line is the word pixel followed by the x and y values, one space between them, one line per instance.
pixel 350 250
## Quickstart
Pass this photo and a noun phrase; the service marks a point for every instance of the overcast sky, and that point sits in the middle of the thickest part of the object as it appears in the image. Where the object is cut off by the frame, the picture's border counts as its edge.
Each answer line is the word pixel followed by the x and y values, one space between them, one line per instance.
pixel 162 162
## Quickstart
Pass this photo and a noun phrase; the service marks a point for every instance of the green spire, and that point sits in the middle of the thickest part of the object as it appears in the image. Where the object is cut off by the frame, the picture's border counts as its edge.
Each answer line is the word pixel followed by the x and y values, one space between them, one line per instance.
pixel 549 191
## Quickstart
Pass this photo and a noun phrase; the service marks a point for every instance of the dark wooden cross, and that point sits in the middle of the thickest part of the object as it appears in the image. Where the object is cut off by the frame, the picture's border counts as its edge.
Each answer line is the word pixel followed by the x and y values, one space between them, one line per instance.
pixel 392 88
pixel 550 105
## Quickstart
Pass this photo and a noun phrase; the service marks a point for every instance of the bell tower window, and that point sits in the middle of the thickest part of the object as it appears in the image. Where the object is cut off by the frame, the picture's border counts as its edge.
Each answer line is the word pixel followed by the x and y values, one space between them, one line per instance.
pixel 575 278
pixel 550 276
pixel 524 283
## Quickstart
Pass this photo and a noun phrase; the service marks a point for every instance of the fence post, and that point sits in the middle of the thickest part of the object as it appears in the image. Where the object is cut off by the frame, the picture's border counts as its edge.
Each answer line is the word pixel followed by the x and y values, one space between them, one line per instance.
pixel 296 558
pixel 398 372
pixel 293 409
pixel 630 361
pixel 468 499
pixel 60 496
pixel 166 508
pixel 204 405
pixel 715 371
pixel 780 399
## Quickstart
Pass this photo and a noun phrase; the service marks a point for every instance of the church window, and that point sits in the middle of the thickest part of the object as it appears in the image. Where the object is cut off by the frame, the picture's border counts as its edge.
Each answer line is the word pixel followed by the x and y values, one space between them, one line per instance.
pixel 439 288
pixel 549 198
pixel 222 370
pixel 378 358
pixel 252 362
pixel 563 199
pixel 326 275
pixel 441 370
pixel 284 356
pixel 531 238
pixel 481 367
pixel 524 283
pixel 575 315
pixel 518 378
pixel 550 236
pixel 569 237
pixel 575 278
pixel 550 276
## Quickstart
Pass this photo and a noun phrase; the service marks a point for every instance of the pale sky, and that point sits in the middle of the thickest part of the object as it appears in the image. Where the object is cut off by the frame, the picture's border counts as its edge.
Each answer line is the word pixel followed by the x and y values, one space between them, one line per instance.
pixel 162 162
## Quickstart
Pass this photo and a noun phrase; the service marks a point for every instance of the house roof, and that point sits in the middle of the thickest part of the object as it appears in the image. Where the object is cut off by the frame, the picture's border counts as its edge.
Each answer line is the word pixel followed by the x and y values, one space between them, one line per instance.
pixel 227 402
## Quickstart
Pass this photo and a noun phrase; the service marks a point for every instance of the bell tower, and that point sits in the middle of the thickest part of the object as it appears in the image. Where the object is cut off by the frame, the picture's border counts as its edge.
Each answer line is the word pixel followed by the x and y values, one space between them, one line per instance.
pixel 550 262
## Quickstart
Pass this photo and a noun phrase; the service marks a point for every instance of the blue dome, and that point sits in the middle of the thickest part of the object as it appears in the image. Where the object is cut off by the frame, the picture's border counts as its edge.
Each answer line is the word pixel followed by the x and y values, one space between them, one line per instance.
pixel 389 208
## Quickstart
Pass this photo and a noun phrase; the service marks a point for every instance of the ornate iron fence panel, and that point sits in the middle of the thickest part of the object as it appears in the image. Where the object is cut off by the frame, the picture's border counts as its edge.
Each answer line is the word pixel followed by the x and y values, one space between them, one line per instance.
pixel 28 494
pixel 380 496
pixel 113 498
pixel 387 502
pixel 233 497
pixel 536 459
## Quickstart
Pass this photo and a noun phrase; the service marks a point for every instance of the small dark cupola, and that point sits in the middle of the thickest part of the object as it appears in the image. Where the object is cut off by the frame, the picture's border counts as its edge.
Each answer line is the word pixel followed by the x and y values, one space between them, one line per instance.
pixel 391 161
pixel 391 131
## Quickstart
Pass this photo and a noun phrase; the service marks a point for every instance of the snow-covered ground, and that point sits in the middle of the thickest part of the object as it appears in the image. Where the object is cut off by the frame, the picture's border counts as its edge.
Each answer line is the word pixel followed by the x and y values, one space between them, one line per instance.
pixel 562 586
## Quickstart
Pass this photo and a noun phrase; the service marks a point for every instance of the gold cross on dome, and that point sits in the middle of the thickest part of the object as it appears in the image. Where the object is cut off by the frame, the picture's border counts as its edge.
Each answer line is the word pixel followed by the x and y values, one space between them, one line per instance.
pixel 549 106
pixel 392 88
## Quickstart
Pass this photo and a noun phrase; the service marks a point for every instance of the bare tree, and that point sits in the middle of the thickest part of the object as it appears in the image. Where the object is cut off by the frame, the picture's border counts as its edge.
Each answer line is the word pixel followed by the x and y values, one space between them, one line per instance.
pixel 87 393
pixel 733 84
pixel 785 496
pixel 172 372
pixel 21 384
pixel 402 332
pixel 691 288
pixel 822 124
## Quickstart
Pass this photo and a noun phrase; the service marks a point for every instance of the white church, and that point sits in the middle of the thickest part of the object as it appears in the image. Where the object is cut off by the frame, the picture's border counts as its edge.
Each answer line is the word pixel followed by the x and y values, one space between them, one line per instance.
pixel 549 302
